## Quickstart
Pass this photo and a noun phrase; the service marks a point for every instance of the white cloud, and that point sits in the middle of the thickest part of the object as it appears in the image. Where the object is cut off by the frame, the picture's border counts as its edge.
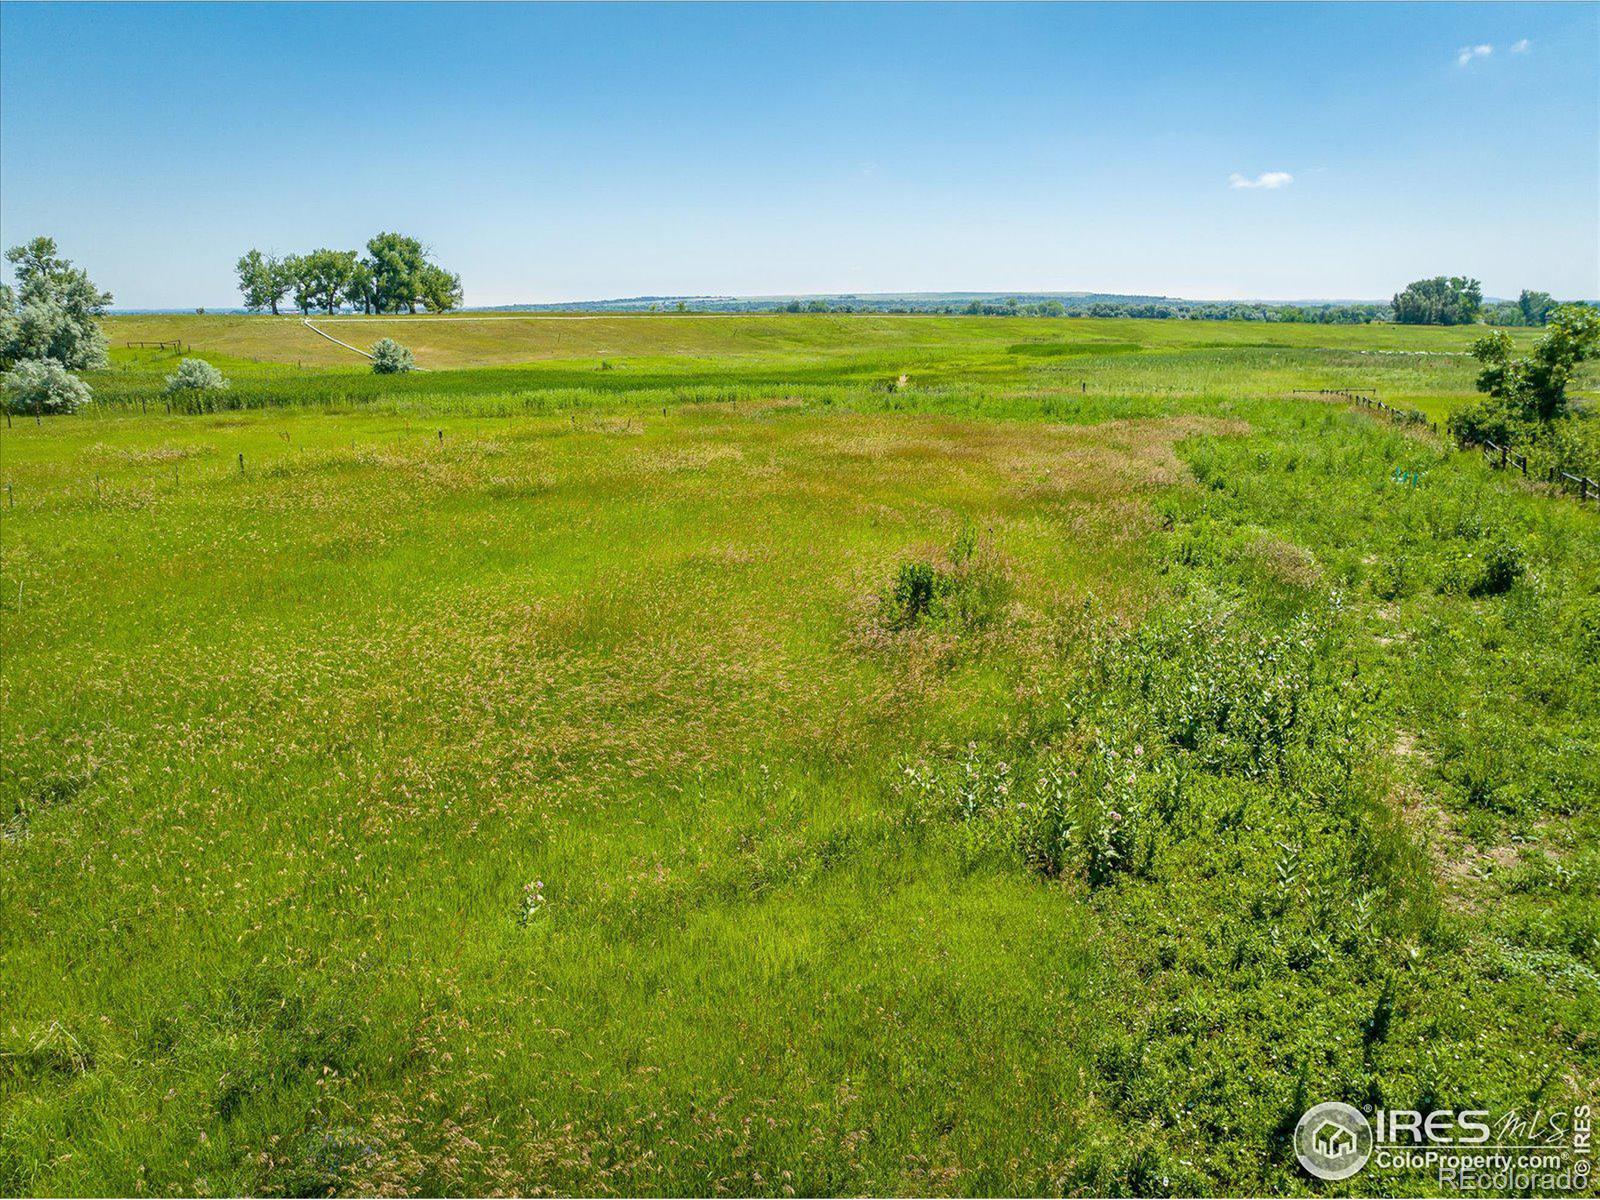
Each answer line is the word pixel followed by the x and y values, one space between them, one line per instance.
pixel 1467 53
pixel 1521 47
pixel 1267 179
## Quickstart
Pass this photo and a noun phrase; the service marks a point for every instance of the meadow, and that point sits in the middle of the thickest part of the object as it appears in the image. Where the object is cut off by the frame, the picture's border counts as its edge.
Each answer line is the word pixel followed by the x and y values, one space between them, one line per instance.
pixel 781 755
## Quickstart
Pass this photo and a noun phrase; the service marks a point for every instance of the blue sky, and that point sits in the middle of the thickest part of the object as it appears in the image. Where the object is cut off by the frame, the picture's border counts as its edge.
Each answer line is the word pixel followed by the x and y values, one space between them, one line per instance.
pixel 565 152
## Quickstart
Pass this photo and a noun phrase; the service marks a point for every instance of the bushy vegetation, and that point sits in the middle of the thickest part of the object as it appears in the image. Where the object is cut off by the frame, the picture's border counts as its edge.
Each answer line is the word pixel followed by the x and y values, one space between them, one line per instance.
pixel 1527 403
pixel 53 312
pixel 389 357
pixel 42 386
pixel 966 590
pixel 49 327
pixel 1530 308
pixel 1292 893
pixel 195 386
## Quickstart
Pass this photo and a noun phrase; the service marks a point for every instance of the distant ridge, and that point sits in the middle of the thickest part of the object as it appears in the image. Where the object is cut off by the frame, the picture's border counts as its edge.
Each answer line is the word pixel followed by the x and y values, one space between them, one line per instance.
pixel 888 302
pixel 1075 303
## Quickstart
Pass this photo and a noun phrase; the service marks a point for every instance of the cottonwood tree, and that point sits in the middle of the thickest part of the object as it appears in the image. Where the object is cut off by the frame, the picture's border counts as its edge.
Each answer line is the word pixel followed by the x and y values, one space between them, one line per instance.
pixel 396 276
pixel 1527 397
pixel 297 280
pixel 1439 301
pixel 1536 307
pixel 358 293
pixel 1536 386
pixel 53 312
pixel 262 280
pixel 438 289
pixel 326 276
pixel 397 262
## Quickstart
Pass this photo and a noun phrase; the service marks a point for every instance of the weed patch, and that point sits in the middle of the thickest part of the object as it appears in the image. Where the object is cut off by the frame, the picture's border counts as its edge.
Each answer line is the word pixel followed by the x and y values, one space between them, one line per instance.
pixel 963 591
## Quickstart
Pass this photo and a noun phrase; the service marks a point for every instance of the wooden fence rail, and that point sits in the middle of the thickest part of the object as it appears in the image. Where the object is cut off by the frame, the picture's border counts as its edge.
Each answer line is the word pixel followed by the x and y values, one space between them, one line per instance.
pixel 1497 456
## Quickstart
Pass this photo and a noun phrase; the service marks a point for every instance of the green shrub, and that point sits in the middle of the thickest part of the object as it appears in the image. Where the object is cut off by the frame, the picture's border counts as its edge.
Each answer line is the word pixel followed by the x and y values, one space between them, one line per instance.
pixel 1568 443
pixel 1585 627
pixel 1499 567
pixel 911 598
pixel 1190 695
pixel 1391 580
pixel 968 591
pixel 1236 695
pixel 1090 812
pixel 1477 567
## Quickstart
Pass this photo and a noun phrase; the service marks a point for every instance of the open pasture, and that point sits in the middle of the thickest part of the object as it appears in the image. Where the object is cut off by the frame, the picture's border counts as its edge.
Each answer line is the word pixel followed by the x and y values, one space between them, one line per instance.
pixel 683 758
pixel 1062 369
pixel 476 339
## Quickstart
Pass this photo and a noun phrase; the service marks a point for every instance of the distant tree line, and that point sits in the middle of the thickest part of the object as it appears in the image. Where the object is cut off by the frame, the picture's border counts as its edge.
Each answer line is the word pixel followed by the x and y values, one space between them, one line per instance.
pixel 1291 314
pixel 1152 310
pixel 1531 308
pixel 1440 301
pixel 395 276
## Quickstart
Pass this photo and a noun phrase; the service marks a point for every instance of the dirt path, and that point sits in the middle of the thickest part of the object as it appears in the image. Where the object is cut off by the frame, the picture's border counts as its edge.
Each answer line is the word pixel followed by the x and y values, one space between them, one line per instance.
pixel 306 321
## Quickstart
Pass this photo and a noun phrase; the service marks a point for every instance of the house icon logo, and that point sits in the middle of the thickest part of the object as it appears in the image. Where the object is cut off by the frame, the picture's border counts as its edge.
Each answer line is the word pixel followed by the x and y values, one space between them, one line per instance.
pixel 1333 1140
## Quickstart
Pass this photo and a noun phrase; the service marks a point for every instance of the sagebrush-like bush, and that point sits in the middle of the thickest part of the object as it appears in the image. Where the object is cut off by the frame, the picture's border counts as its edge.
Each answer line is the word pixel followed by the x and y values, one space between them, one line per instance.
pixel 389 357
pixel 44 386
pixel 195 382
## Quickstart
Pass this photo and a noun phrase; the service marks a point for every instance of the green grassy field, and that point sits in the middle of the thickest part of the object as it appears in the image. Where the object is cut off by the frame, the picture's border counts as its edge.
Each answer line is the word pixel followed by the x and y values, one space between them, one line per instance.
pixel 672 755
pixel 501 339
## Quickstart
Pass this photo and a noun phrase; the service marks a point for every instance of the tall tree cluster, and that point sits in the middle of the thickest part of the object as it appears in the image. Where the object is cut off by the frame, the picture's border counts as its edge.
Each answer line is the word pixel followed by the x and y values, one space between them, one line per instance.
pixel 1439 301
pixel 396 275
